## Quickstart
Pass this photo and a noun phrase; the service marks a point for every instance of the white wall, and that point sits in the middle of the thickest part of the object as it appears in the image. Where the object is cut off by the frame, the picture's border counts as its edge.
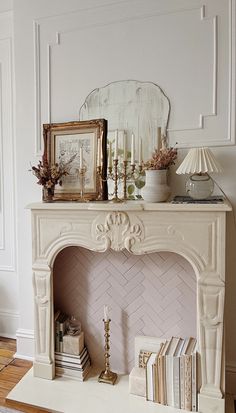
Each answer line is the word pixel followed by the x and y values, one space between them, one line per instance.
pixel 63 50
pixel 9 312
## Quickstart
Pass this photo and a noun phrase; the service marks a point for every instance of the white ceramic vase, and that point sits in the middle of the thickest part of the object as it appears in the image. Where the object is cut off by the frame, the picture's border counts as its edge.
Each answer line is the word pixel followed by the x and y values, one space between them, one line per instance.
pixel 156 188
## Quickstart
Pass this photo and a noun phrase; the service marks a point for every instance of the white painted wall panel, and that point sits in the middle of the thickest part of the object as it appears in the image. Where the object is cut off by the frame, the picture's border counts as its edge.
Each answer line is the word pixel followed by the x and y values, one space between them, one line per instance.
pixel 8 277
pixel 84 50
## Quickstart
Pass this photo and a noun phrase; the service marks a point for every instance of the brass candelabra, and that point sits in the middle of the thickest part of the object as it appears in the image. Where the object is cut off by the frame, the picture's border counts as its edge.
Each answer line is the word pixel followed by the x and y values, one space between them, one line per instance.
pixel 107 376
pixel 124 174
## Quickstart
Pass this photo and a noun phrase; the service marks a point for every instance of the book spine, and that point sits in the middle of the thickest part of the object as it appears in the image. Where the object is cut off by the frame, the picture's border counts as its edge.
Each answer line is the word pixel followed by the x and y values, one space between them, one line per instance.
pixel 71 364
pixel 169 380
pixel 159 380
pixel 194 382
pixel 162 380
pixel 56 336
pixel 188 382
pixel 71 359
pixel 182 387
pixel 61 371
pixel 61 334
pixel 176 382
pixel 156 383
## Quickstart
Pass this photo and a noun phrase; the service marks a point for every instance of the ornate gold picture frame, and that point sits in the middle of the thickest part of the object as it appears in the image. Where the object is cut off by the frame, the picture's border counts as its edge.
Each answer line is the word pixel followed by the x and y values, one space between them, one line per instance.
pixel 63 142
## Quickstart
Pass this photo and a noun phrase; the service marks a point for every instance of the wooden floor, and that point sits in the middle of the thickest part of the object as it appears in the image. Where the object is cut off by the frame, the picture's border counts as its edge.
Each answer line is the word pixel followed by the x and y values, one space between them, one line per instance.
pixel 11 371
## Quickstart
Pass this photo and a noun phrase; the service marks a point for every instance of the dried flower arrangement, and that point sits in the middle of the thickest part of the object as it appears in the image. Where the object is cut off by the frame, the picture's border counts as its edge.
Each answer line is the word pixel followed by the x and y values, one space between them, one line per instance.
pixel 49 175
pixel 161 159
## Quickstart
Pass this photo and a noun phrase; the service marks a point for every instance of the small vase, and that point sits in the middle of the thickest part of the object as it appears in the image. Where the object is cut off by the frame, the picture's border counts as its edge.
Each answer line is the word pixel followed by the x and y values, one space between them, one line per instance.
pixel 48 194
pixel 156 188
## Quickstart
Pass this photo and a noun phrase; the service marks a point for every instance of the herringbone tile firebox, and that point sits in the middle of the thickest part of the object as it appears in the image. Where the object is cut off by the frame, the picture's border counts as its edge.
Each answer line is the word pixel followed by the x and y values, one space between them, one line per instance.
pixel 152 294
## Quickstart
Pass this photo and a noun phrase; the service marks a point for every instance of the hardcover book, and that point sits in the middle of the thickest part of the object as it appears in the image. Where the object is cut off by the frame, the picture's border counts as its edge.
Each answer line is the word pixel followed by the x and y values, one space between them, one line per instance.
pixel 169 365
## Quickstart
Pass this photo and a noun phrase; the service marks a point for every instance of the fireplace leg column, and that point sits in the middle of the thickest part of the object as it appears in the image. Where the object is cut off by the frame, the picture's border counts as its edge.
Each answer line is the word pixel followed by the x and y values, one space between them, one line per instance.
pixel 211 314
pixel 43 313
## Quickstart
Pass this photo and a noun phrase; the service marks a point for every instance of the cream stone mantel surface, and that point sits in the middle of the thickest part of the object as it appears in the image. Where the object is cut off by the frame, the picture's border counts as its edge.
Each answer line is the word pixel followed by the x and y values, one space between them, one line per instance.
pixel 195 231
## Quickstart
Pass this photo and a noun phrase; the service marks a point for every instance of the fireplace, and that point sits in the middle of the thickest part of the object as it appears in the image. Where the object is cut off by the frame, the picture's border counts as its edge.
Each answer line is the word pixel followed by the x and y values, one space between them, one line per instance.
pixel 148 295
pixel 196 232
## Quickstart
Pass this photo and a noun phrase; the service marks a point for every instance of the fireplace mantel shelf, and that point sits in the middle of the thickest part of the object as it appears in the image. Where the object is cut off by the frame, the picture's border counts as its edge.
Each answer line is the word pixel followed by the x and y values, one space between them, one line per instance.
pixel 195 231
pixel 129 206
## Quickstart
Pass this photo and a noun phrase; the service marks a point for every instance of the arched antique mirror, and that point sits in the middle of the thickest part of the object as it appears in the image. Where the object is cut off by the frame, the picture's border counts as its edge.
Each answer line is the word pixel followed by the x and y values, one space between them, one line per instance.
pixel 130 106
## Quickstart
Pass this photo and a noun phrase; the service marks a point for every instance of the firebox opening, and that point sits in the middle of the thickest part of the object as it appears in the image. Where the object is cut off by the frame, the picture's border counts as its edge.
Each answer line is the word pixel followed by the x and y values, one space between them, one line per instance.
pixel 152 295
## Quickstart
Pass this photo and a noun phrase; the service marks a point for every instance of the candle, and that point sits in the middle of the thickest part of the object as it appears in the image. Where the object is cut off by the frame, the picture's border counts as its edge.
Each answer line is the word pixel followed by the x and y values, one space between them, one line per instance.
pixel 140 155
pixel 106 313
pixel 110 156
pixel 125 147
pixel 99 152
pixel 158 138
pixel 81 160
pixel 132 149
pixel 163 143
pixel 116 145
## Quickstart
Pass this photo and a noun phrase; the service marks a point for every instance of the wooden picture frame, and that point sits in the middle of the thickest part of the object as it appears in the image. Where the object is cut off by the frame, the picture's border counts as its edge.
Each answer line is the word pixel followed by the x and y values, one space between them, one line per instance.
pixel 62 142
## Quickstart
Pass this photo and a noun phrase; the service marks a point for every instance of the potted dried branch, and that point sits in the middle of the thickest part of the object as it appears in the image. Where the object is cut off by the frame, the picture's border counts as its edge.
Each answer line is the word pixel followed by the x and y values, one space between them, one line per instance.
pixel 156 188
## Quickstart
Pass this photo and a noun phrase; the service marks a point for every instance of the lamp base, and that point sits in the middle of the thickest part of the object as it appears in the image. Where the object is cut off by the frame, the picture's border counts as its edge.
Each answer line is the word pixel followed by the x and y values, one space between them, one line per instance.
pixel 199 186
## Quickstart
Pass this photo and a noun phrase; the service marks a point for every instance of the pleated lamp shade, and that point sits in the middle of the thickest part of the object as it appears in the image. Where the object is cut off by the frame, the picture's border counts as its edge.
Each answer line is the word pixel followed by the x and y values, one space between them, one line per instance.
pixel 199 160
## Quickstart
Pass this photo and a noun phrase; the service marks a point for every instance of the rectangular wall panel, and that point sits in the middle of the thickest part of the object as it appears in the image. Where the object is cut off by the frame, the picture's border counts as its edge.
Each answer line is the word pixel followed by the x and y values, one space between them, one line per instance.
pixel 187 48
pixel 7 179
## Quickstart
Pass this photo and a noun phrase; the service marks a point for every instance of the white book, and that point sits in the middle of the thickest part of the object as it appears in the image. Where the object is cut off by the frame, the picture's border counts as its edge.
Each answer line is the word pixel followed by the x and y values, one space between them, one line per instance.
pixel 172 348
pixel 182 387
pixel 194 382
pixel 149 377
pixel 76 374
pixel 71 357
pixel 61 363
pixel 176 375
pixel 186 374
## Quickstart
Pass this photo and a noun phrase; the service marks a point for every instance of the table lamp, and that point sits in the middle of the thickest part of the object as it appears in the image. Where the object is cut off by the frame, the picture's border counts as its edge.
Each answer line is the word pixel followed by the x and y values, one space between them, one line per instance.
pixel 199 162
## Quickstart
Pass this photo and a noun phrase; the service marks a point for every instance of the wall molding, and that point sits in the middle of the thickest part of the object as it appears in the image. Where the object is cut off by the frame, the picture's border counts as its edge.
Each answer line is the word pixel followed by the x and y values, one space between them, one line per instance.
pixel 25 344
pixel 214 76
pixel 9 322
pixel 7 204
pixel 139 15
pixel 2 227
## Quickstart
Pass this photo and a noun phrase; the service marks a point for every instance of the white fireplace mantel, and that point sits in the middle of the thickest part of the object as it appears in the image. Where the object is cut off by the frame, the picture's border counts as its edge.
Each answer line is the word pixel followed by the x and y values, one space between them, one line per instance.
pixel 195 231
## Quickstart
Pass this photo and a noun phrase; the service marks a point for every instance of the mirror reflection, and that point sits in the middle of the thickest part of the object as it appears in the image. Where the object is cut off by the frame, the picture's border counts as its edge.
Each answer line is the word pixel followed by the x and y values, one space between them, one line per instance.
pixel 132 108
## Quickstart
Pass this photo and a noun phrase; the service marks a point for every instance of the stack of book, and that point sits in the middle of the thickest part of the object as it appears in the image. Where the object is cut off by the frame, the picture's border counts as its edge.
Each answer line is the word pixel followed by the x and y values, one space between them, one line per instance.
pixel 60 320
pixel 71 355
pixel 69 365
pixel 171 374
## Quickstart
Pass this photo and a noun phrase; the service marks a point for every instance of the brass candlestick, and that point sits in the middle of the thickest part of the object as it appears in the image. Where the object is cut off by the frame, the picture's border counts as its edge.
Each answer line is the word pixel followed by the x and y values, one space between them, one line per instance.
pixel 100 181
pixel 107 376
pixel 115 177
pixel 125 164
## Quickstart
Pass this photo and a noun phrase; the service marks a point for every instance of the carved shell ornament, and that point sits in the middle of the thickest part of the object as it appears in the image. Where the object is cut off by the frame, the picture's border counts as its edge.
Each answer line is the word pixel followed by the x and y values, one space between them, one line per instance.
pixel 118 233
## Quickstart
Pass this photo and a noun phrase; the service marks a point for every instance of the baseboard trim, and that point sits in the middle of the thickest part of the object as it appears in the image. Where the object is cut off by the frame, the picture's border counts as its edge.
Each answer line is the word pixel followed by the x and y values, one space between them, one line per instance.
pixel 9 323
pixel 231 379
pixel 23 357
pixel 23 333
pixel 25 344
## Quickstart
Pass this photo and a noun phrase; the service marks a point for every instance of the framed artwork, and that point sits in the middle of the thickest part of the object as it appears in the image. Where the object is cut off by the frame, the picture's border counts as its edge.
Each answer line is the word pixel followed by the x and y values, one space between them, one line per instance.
pixel 68 142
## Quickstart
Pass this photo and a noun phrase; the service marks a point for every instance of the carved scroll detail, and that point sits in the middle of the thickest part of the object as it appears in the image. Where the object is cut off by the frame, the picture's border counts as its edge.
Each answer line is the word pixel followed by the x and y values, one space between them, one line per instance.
pixel 118 233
